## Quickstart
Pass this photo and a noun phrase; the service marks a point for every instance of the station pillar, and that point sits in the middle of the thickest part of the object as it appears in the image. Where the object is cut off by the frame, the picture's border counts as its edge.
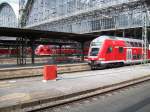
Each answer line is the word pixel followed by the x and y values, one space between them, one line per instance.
pixel 82 48
pixel 21 50
pixel 32 51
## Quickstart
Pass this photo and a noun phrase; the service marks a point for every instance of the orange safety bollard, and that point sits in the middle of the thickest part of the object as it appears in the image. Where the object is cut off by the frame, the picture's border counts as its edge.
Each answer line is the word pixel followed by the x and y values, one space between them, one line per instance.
pixel 49 72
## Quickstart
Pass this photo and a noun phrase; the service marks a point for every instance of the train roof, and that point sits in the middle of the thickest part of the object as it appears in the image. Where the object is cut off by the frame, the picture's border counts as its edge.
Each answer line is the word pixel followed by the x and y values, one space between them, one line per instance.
pixel 104 37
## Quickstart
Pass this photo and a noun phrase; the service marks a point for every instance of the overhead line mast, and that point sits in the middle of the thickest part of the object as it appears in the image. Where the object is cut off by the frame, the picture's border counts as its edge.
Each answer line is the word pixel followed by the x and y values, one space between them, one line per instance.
pixel 21 11
pixel 146 21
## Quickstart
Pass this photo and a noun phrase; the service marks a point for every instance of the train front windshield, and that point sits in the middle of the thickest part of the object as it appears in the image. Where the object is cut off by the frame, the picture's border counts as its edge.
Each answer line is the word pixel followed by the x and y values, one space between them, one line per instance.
pixel 94 51
pixel 95 47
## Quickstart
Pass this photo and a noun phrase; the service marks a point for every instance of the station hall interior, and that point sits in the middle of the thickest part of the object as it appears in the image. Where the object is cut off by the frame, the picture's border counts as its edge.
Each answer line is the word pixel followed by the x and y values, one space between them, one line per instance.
pixel 74 55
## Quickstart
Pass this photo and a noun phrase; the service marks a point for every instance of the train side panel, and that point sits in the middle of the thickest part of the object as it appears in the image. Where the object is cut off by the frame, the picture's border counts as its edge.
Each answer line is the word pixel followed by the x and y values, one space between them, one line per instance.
pixel 113 51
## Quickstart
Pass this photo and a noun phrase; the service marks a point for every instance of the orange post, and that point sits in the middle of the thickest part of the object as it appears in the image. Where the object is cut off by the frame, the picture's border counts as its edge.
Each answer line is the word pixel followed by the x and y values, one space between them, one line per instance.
pixel 49 72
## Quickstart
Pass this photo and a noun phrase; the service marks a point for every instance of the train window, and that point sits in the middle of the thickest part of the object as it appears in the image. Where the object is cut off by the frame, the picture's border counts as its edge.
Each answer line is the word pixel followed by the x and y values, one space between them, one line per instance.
pixel 128 44
pixel 140 44
pixel 48 50
pixel 139 56
pixel 109 50
pixel 135 44
pixel 120 49
pixel 41 50
pixel 94 51
pixel 134 56
pixel 131 43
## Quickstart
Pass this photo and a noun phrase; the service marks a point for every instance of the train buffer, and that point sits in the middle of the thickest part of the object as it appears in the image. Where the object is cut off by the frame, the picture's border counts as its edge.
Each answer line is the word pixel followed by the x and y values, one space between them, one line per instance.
pixel 31 93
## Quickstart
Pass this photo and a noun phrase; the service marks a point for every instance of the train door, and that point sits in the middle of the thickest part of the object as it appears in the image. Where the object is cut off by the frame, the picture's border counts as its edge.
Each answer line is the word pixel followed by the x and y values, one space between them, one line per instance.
pixel 129 55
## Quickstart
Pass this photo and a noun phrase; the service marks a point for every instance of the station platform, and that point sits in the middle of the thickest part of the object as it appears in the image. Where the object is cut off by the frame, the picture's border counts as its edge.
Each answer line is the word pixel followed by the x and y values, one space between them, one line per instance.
pixel 34 71
pixel 29 94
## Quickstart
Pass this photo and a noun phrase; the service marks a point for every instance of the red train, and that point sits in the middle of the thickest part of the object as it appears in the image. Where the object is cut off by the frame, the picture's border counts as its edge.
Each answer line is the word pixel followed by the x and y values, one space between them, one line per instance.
pixel 12 51
pixel 43 50
pixel 108 50
pixel 6 51
pixel 54 50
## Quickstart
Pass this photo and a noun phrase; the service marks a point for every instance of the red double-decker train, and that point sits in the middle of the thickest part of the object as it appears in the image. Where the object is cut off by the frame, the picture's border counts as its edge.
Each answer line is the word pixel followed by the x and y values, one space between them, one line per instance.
pixel 112 51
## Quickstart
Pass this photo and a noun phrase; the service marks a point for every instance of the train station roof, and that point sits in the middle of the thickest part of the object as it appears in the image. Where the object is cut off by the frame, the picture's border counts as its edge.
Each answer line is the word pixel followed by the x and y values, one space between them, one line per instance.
pixel 14 6
pixel 35 34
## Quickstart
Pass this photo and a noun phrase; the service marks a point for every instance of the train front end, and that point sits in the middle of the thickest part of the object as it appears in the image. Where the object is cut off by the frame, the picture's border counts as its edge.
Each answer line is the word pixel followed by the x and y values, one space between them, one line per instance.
pixel 95 53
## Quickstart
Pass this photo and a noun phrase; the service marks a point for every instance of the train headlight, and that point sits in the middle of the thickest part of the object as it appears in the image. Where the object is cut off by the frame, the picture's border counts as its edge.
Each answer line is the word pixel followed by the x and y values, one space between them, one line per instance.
pixel 101 59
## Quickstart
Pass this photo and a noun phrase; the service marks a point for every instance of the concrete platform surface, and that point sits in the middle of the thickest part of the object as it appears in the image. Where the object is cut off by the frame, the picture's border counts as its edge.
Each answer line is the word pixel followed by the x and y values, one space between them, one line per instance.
pixel 33 71
pixel 31 93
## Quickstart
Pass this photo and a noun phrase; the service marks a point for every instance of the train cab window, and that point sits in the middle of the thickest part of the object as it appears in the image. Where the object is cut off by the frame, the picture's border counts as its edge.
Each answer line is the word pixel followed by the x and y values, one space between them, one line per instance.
pixel 120 49
pixel 94 51
pixel 109 50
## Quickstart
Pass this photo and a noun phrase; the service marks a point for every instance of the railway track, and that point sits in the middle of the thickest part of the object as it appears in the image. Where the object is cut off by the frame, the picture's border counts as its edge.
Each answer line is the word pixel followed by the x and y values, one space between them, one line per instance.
pixel 65 107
